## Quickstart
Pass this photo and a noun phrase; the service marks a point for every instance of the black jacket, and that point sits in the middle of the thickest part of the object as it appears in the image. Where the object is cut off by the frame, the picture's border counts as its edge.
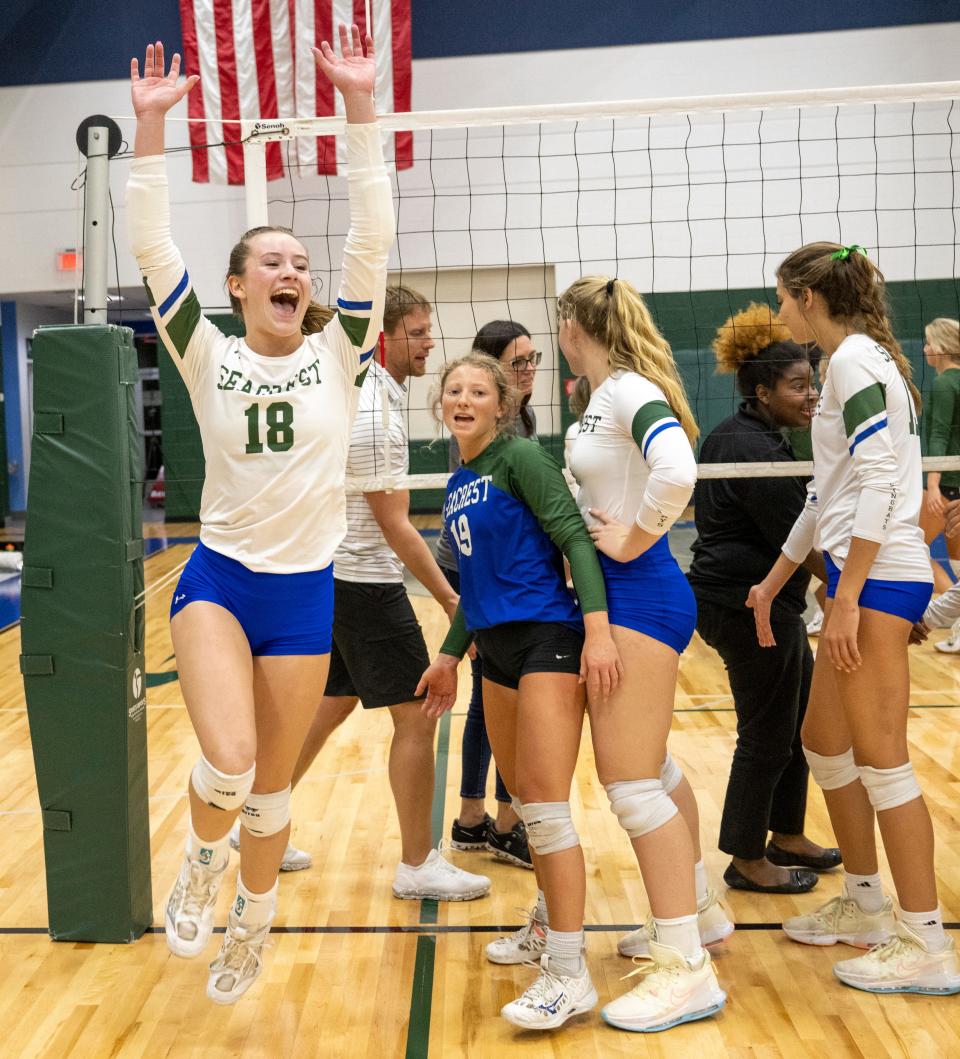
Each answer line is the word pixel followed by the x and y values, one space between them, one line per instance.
pixel 743 522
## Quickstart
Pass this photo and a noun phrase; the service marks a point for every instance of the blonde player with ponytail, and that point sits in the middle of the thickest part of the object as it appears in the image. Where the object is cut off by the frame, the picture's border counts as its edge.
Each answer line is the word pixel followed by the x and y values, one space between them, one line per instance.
pixel 862 512
pixel 634 465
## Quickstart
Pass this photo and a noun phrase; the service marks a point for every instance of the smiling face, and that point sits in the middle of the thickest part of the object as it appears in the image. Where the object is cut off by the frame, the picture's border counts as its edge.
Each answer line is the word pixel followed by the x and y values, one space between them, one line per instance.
pixel 273 290
pixel 408 345
pixel 471 408
pixel 791 401
pixel 519 360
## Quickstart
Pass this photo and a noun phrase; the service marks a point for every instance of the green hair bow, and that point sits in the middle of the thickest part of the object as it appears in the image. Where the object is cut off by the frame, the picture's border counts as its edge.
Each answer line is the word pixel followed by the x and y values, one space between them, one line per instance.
pixel 845 251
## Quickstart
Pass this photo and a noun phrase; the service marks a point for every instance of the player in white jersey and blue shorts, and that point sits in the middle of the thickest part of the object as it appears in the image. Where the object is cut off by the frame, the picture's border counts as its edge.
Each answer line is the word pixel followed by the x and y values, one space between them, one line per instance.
pixel 862 512
pixel 251 616
pixel 635 468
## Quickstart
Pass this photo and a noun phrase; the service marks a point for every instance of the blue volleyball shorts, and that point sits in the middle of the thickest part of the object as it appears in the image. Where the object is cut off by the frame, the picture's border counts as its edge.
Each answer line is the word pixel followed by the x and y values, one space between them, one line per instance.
pixel 903 599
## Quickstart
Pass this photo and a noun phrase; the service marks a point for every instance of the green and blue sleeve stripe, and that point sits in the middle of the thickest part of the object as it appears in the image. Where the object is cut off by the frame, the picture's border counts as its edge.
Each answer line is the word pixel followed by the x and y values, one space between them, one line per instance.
pixel 865 414
pixel 650 420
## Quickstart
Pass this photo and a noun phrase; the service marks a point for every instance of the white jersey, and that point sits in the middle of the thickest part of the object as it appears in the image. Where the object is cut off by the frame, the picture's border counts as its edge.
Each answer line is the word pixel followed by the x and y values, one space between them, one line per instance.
pixel 275 430
pixel 364 554
pixel 866 464
pixel 631 457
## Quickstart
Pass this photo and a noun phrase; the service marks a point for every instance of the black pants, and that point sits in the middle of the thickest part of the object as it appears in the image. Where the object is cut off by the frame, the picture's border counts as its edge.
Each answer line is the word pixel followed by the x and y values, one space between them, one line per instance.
pixel 767 790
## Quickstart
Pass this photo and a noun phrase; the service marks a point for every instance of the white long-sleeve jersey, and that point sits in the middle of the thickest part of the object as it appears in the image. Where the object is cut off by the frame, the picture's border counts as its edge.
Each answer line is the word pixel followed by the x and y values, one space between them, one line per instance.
pixel 631 457
pixel 275 430
pixel 866 463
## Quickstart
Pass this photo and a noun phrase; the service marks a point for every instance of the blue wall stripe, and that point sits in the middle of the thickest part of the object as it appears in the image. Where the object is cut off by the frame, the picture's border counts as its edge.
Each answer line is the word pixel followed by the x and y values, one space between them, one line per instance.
pixel 51 41
pixel 11 401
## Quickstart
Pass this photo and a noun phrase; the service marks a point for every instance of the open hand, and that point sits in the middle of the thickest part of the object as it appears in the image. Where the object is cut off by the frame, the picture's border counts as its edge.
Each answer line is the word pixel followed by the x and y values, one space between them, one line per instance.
pixel 439 682
pixel 840 636
pixel 760 601
pixel 600 667
pixel 352 72
pixel 155 93
pixel 611 537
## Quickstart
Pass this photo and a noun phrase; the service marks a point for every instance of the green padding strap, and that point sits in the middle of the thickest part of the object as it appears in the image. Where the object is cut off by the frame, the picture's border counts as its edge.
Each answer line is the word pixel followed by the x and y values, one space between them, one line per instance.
pixel 57 820
pixel 47 423
pixel 134 550
pixel 37 577
pixel 36 665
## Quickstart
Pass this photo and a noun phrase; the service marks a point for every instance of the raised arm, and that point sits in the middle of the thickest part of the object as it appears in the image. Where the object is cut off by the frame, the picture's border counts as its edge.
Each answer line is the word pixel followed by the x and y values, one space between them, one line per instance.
pixel 153 95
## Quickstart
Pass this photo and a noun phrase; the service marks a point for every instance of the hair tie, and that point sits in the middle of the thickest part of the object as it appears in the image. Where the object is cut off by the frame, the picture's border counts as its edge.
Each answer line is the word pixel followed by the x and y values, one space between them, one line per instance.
pixel 610 283
pixel 845 251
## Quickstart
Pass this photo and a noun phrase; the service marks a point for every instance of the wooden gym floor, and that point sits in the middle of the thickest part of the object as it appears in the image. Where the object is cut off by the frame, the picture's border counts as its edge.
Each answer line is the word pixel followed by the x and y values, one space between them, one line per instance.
pixel 353 972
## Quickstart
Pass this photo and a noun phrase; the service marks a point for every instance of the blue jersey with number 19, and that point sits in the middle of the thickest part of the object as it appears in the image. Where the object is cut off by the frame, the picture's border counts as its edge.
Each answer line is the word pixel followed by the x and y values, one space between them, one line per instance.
pixel 275 430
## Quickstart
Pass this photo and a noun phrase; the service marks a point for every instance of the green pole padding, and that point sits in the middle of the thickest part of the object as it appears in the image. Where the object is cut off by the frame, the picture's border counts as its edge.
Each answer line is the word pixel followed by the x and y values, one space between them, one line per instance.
pixel 82 633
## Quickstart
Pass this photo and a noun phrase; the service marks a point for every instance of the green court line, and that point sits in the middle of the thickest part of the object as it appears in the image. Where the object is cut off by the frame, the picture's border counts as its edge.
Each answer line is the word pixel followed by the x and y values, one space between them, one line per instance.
pixel 421 994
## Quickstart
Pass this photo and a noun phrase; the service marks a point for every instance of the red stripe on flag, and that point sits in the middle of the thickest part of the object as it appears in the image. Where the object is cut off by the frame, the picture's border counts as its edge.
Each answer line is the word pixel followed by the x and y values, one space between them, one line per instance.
pixel 195 108
pixel 229 92
pixel 266 78
pixel 323 30
pixel 360 16
pixel 402 77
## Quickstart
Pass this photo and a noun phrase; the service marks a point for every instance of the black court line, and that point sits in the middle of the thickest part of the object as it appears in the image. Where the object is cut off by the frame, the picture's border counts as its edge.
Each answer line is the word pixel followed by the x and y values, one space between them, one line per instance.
pixel 428 929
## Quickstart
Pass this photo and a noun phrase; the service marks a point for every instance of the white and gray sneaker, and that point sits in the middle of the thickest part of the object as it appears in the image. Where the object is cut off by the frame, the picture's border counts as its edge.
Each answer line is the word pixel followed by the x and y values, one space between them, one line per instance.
pixel 712 922
pixel 439 880
pixel 293 859
pixel 950 646
pixel 815 624
pixel 525 945
pixel 238 964
pixel 841 919
pixel 552 999
pixel 188 919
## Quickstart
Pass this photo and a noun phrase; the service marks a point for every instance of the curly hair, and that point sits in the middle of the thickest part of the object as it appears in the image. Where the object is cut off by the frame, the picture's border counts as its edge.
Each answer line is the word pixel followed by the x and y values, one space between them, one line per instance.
pixel 755 345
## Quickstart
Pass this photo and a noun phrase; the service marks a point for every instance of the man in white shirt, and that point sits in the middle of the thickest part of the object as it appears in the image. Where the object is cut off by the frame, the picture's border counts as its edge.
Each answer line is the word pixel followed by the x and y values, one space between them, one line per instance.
pixel 379 653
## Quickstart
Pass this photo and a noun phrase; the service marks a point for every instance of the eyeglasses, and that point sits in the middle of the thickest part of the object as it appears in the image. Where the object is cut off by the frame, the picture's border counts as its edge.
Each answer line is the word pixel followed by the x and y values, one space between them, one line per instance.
pixel 522 363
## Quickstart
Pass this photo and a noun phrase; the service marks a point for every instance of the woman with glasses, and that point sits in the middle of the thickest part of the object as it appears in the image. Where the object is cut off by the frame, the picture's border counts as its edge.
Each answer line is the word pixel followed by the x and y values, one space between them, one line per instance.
pixel 509 343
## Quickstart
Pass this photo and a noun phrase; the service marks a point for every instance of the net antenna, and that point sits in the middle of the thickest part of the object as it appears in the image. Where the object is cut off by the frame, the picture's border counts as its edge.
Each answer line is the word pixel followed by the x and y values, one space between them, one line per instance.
pixel 694 199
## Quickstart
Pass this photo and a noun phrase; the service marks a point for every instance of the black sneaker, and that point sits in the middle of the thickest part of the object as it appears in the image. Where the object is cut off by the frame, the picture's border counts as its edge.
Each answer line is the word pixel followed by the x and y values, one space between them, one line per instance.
pixel 474 837
pixel 511 845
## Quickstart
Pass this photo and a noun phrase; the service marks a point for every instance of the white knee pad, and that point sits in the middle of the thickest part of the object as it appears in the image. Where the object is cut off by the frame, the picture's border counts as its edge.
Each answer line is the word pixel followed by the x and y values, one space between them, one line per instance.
pixel 832 773
pixel 641 806
pixel 670 774
pixel 218 789
pixel 264 815
pixel 549 827
pixel 888 788
pixel 516 805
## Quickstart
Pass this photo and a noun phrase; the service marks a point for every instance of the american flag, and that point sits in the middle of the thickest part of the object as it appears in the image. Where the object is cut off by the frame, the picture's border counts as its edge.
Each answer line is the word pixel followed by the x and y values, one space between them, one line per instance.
pixel 254 61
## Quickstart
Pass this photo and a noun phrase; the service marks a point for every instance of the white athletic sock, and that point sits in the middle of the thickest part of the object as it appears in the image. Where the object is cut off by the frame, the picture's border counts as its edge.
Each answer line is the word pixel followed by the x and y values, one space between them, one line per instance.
pixel 254 910
pixel 681 933
pixel 700 876
pixel 866 890
pixel 214 852
pixel 928 926
pixel 565 951
pixel 541 912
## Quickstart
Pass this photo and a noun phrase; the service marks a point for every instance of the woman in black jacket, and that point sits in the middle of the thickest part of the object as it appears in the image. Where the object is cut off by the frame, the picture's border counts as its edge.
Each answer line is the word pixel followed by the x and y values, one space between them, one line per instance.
pixel 741 525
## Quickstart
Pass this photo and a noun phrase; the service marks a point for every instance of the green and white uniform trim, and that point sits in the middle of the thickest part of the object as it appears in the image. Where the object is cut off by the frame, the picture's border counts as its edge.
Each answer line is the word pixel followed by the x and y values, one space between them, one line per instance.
pixel 275 430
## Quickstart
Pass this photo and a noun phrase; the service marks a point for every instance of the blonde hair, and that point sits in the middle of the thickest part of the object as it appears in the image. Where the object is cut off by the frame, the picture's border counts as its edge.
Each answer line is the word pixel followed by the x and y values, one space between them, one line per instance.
pixel 315 318
pixel 612 313
pixel 944 335
pixel 853 289
pixel 508 396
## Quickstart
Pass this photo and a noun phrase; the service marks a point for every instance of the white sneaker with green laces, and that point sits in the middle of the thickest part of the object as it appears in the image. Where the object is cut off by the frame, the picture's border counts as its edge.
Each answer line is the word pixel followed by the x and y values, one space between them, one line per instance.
pixel 188 918
pixel 525 945
pixel 712 922
pixel 842 920
pixel 903 965
pixel 238 964
pixel 552 999
pixel 670 993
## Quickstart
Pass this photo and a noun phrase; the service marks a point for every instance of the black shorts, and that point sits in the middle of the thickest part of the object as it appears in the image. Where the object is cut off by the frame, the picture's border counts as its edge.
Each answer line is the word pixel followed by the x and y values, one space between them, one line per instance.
pixel 950 492
pixel 379 654
pixel 512 650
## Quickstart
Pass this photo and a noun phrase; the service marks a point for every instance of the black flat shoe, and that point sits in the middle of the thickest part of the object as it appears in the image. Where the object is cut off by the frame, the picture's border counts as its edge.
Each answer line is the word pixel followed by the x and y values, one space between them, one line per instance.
pixel 801 882
pixel 783 858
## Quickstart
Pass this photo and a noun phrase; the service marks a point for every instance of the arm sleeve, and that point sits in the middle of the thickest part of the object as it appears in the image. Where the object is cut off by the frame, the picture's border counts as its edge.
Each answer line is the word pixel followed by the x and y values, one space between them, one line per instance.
pixel 640 409
pixel 944 610
pixel 458 638
pixel 863 399
pixel 799 542
pixel 354 331
pixel 187 334
pixel 942 415
pixel 536 478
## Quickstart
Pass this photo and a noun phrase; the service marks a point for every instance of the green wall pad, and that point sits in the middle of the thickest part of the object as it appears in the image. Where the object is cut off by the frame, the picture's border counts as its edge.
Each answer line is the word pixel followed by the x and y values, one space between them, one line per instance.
pixel 82 634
